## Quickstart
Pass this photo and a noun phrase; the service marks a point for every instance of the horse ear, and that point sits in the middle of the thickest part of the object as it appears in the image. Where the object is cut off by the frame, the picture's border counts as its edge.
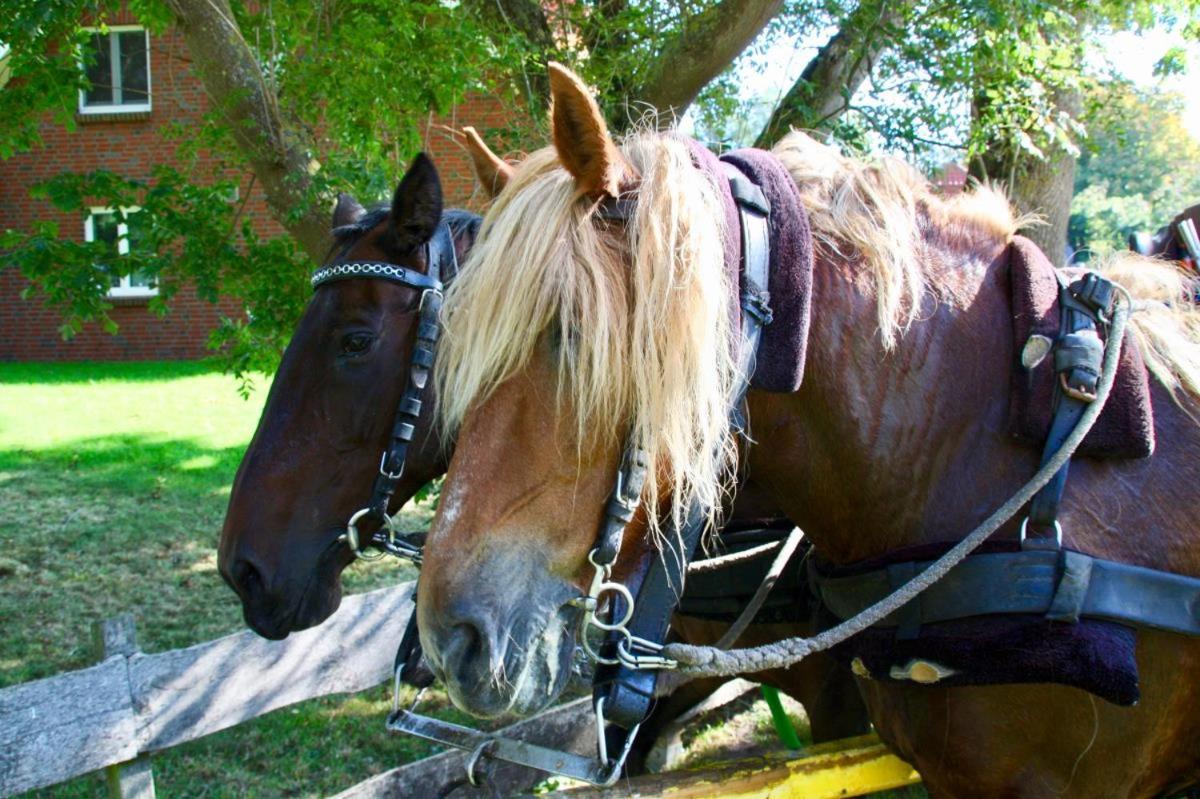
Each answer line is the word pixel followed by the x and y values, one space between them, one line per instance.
pixel 492 172
pixel 347 211
pixel 417 205
pixel 581 136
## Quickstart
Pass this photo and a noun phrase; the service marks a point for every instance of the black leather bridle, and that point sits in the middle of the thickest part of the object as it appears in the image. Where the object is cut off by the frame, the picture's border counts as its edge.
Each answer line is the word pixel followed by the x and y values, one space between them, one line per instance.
pixel 441 262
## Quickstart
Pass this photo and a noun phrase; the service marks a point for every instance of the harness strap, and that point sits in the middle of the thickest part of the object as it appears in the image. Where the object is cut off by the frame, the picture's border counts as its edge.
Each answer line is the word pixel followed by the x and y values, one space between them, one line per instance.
pixel 1086 305
pixel 626 694
pixel 1063 586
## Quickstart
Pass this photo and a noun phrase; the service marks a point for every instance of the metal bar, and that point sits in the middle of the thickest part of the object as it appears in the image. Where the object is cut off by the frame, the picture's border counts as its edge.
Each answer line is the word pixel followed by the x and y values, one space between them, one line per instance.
pixel 568 764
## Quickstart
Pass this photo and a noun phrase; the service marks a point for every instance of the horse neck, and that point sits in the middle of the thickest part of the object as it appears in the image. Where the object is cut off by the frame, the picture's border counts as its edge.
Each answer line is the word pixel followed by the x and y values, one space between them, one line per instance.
pixel 883 449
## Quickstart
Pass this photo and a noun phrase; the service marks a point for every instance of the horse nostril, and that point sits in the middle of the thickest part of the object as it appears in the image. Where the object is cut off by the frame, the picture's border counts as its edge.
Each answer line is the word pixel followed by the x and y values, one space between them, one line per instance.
pixel 463 643
pixel 245 578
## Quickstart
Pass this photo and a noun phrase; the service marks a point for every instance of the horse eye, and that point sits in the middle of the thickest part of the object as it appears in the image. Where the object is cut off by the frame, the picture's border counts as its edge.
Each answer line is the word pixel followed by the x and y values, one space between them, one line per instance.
pixel 356 343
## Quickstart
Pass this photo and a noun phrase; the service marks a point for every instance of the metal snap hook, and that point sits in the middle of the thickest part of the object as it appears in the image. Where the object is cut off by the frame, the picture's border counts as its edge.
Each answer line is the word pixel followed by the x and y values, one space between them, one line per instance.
pixel 473 759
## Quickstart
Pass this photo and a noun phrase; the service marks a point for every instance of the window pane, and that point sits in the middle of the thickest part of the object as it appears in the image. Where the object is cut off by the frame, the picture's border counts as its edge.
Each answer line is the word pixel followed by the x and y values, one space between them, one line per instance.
pixel 140 280
pixel 105 229
pixel 98 59
pixel 135 68
pixel 134 232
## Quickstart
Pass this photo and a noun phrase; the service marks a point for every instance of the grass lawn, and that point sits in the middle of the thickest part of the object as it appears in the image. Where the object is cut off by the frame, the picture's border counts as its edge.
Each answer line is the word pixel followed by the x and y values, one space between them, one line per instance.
pixel 113 484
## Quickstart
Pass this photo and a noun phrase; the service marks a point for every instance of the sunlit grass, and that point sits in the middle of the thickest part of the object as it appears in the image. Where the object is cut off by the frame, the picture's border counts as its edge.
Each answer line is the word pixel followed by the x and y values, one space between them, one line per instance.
pixel 113 483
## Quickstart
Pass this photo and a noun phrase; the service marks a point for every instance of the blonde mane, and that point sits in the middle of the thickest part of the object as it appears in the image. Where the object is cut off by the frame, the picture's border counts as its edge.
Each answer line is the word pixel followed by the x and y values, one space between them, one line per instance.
pixel 1166 323
pixel 641 327
pixel 871 211
pixel 639 324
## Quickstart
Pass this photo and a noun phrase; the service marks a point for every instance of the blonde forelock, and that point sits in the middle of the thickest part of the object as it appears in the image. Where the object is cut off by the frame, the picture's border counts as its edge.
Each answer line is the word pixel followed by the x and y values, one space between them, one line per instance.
pixel 642 321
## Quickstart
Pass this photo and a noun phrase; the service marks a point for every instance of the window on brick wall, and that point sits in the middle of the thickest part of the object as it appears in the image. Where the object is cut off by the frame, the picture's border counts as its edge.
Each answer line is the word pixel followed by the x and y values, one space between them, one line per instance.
pixel 118 67
pixel 120 232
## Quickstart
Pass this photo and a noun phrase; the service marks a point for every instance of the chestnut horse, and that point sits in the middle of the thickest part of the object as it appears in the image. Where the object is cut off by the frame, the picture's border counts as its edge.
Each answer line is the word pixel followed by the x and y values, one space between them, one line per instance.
pixel 329 413
pixel 569 335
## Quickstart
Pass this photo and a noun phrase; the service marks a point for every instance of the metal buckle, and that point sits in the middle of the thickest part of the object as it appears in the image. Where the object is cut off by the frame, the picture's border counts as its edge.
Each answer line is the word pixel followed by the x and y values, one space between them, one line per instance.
pixel 1075 393
pixel 385 472
pixel 1039 542
pixel 426 294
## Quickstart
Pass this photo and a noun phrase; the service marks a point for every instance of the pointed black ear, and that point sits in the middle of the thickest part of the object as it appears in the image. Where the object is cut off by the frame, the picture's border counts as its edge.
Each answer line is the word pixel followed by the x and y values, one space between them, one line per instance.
pixel 347 211
pixel 417 206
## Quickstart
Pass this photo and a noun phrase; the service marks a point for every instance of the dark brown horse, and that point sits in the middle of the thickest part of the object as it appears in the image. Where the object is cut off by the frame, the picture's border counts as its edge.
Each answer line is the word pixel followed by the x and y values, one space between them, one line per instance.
pixel 328 417
pixel 315 454
pixel 570 335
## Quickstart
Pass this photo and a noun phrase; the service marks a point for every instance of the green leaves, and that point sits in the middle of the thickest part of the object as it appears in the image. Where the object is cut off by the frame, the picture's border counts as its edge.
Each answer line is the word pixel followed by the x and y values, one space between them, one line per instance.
pixel 187 234
pixel 1137 169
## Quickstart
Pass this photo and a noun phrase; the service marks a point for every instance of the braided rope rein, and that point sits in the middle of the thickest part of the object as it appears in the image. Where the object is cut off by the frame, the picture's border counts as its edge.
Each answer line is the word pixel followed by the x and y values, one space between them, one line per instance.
pixel 710 661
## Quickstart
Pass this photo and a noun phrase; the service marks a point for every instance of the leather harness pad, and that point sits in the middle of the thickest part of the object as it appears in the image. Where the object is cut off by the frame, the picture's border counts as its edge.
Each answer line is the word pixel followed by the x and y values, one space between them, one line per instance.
pixel 1126 427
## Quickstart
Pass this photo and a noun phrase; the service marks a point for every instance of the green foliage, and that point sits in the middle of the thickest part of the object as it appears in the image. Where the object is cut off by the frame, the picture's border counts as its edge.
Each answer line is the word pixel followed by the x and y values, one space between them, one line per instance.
pixel 359 83
pixel 1138 168
pixel 115 510
pixel 45 41
pixel 188 234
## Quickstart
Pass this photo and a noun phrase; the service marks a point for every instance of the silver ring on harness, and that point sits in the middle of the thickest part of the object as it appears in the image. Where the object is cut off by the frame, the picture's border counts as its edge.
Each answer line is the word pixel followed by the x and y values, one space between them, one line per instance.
pixel 351 536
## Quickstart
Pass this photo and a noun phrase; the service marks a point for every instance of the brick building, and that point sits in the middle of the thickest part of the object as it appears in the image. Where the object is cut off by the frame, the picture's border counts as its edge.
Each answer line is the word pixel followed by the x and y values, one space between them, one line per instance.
pixel 142 82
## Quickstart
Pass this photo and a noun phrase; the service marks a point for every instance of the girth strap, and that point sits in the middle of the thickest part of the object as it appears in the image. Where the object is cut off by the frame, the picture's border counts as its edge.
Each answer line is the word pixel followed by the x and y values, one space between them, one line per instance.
pixel 1063 586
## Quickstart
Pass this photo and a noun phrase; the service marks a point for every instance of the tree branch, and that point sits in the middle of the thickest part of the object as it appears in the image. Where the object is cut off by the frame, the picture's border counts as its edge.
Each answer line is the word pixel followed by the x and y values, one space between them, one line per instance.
pixel 823 91
pixel 234 82
pixel 527 18
pixel 700 50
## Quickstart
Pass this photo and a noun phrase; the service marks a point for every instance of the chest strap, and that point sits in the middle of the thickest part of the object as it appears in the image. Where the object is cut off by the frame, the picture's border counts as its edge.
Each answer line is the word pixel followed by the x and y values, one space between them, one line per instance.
pixel 1061 586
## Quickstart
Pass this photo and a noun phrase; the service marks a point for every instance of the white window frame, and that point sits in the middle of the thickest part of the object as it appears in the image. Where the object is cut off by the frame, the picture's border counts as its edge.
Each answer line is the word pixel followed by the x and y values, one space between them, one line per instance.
pixel 124 108
pixel 125 288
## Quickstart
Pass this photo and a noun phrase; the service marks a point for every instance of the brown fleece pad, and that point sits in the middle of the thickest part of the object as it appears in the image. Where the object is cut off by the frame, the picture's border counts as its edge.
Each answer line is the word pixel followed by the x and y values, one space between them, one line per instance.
pixel 1125 428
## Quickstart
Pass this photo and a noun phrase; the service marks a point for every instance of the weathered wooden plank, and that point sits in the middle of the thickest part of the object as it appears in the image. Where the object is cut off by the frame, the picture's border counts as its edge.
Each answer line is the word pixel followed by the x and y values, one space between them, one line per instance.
pixel 54 729
pixel 851 767
pixel 133 779
pixel 570 726
pixel 189 693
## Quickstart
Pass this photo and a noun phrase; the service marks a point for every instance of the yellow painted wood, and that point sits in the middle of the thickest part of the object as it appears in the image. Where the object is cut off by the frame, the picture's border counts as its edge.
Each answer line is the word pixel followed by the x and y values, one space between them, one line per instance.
pixel 850 767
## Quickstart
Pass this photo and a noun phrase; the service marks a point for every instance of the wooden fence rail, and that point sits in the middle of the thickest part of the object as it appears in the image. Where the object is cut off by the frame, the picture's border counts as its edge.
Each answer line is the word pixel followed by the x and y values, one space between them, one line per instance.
pixel 132 704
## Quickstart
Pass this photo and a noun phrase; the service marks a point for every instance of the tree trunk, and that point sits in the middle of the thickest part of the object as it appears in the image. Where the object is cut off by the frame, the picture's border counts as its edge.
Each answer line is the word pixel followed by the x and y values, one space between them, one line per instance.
pixel 700 51
pixel 823 91
pixel 234 82
pixel 1041 186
